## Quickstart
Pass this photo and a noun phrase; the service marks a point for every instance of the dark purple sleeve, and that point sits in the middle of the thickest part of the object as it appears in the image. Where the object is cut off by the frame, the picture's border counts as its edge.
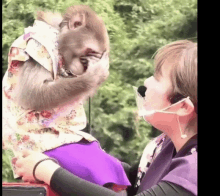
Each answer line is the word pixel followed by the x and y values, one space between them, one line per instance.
pixel 183 172
pixel 65 184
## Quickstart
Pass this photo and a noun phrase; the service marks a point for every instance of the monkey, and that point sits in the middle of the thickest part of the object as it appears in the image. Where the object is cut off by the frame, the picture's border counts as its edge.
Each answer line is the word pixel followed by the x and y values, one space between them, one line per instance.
pixel 43 124
pixel 82 35
pixel 34 97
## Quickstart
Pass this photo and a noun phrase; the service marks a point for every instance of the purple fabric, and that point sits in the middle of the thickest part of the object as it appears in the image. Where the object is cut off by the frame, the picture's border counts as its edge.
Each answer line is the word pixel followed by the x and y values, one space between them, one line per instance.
pixel 88 161
pixel 183 171
pixel 180 169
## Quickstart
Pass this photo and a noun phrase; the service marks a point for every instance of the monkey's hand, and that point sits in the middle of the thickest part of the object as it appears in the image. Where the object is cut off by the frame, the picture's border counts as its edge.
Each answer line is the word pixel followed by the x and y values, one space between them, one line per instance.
pixel 32 92
pixel 98 69
pixel 66 73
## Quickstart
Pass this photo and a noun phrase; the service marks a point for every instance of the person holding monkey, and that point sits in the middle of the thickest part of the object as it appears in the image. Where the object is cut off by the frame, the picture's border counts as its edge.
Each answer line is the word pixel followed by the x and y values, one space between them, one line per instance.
pixel 168 165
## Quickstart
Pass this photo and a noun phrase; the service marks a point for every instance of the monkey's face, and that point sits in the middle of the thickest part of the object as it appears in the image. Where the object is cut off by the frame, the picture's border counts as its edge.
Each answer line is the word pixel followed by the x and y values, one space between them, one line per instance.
pixel 73 63
pixel 75 59
pixel 75 49
pixel 82 34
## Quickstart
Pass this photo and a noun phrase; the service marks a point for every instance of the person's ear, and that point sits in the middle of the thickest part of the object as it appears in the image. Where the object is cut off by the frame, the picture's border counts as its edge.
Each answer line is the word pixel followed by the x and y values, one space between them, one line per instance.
pixel 186 109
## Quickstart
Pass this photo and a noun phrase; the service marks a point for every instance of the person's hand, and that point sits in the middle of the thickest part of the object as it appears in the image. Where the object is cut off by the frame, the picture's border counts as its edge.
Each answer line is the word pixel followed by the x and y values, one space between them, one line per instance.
pixel 98 69
pixel 25 164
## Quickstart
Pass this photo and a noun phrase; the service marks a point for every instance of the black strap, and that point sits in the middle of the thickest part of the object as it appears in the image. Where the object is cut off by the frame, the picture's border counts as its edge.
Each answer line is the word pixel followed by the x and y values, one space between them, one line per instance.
pixel 49 158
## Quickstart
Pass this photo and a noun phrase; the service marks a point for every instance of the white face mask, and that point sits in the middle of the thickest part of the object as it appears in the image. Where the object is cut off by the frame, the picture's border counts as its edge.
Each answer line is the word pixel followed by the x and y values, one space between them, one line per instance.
pixel 143 112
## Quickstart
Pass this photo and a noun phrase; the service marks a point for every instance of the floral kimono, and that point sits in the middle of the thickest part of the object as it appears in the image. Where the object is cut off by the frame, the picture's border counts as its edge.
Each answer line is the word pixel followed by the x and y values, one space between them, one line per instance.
pixel 56 132
pixel 30 129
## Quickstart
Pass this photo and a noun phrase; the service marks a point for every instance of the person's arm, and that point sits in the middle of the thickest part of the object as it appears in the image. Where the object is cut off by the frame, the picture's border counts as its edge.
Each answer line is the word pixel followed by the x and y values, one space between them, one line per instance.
pixel 65 183
pixel 131 172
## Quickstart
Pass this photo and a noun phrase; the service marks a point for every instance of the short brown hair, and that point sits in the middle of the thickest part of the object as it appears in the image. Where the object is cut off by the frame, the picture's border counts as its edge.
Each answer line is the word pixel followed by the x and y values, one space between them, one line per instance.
pixel 183 55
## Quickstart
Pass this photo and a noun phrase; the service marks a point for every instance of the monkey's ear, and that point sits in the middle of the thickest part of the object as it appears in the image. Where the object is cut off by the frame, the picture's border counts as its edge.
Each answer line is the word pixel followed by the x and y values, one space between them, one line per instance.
pixel 76 21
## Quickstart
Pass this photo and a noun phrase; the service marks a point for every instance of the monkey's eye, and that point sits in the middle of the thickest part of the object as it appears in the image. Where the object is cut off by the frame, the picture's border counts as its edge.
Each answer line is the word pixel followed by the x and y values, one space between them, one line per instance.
pixel 77 24
pixel 89 50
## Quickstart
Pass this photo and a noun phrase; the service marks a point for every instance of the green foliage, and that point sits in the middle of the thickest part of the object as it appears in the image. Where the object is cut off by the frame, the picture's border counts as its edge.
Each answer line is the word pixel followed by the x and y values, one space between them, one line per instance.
pixel 137 28
pixel 7 175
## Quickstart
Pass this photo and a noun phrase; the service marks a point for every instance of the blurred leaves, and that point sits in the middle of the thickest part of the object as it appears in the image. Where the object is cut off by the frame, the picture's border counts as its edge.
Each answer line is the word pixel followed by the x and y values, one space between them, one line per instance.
pixel 137 28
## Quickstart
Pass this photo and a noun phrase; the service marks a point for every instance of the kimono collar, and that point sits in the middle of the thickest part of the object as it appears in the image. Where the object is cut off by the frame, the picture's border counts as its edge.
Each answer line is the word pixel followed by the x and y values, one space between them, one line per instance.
pixel 190 145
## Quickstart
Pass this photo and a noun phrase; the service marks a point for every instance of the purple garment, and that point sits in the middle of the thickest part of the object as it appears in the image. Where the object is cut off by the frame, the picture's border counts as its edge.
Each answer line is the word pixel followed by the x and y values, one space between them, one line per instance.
pixel 179 168
pixel 88 161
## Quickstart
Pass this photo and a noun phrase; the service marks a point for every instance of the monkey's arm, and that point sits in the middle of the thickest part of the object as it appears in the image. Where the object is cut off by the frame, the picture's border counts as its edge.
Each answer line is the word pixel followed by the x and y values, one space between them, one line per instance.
pixel 34 93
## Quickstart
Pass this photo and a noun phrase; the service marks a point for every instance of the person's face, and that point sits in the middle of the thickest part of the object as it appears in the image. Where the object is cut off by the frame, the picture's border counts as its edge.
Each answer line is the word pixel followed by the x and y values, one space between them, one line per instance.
pixel 157 97
pixel 158 89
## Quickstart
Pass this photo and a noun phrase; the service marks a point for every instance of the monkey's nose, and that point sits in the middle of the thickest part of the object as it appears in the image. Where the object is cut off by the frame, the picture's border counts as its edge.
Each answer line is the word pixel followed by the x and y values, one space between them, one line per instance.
pixel 141 90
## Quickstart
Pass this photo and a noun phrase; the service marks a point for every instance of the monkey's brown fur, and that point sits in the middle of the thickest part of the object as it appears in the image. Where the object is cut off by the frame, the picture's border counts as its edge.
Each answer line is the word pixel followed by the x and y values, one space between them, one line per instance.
pixel 33 92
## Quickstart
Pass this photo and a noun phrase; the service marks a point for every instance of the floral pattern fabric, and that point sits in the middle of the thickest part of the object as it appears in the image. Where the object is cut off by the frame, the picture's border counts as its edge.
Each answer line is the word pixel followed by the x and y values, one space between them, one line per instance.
pixel 38 130
pixel 150 153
